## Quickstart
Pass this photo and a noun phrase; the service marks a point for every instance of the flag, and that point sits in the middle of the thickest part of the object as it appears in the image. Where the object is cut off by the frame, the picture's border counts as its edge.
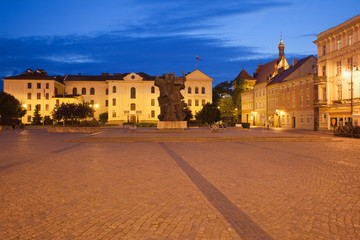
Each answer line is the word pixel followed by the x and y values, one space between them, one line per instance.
pixel 197 58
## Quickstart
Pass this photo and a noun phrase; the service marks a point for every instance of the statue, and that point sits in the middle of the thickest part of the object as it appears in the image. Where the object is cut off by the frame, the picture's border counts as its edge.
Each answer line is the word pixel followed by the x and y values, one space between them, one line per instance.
pixel 170 99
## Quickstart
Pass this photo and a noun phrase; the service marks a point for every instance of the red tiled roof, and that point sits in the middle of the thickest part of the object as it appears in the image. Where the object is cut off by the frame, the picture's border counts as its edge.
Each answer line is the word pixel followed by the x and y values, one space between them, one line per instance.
pixel 244 75
pixel 265 71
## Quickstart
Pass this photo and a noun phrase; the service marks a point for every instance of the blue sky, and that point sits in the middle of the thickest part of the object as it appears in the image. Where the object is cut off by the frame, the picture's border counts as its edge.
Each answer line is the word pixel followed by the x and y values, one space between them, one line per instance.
pixel 158 36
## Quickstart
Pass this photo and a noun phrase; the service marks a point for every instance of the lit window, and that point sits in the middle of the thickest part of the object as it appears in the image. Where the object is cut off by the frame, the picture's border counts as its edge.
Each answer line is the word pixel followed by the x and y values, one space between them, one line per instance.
pixel 152 102
pixel 29 96
pixel 338 44
pixel 152 113
pixel 189 102
pixel 196 102
pixel 29 107
pixel 350 40
pixel 132 93
pixel 114 114
pixel 338 68
pixel 47 107
pixel 202 102
pixel 324 70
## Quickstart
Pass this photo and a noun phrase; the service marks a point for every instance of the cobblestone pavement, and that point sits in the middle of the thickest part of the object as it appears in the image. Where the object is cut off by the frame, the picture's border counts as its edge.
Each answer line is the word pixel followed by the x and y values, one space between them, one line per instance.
pixel 51 189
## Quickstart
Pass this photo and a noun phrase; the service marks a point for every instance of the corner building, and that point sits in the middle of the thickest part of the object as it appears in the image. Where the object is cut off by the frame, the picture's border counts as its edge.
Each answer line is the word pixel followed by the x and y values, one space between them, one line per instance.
pixel 128 97
pixel 338 84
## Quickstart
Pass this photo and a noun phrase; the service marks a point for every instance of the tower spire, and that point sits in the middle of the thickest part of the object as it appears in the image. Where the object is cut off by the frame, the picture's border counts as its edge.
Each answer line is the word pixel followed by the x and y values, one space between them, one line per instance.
pixel 281 47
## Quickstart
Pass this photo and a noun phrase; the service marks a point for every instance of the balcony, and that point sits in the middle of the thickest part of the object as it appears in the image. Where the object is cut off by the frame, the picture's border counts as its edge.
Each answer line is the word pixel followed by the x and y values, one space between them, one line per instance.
pixel 320 103
pixel 320 80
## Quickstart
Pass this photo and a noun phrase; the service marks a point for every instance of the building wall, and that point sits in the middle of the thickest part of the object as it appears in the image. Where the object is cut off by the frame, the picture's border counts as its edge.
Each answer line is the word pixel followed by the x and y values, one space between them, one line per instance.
pixel 260 104
pixel 247 107
pixel 336 47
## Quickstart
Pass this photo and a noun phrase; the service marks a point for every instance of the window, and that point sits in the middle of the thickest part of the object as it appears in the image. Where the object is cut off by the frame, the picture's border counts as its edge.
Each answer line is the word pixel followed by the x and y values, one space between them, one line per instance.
pixel 189 89
pixel 92 91
pixel 203 90
pixel 350 40
pixel 324 93
pixel 202 102
pixel 114 101
pixel 29 85
pixel 301 101
pixel 47 95
pixel 74 91
pixel 338 68
pixel 307 84
pixel 287 119
pixel 29 107
pixel 301 85
pixel 106 103
pixel 324 70
pixel 29 96
pixel 196 90
pixel 293 87
pixel 47 85
pixel 301 119
pixel 47 107
pixel 339 91
pixel 307 100
pixel 196 102
pixel 106 91
pixel 38 96
pixel 324 50
pixel 114 114
pixel 29 118
pixel 189 102
pixel 338 44
pixel 152 102
pixel 38 85
pixel 283 89
pixel 308 119
pixel 152 89
pixel 132 107
pixel 132 93
pixel 83 91
pixel 152 113
pixel 114 89
pixel 38 106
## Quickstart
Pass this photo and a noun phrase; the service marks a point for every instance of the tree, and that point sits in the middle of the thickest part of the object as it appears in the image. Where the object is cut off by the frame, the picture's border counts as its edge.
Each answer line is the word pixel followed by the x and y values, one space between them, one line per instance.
pixel 103 117
pixel 208 114
pixel 221 89
pixel 188 114
pixel 10 109
pixel 72 112
pixel 241 85
pixel 37 117
pixel 227 107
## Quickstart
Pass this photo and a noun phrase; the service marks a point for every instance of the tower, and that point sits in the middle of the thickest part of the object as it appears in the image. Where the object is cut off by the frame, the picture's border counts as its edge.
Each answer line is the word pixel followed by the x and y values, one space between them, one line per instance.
pixel 281 48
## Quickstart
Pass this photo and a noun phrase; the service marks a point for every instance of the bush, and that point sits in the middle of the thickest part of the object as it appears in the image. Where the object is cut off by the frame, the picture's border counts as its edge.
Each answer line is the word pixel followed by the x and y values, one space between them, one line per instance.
pixel 103 117
pixel 91 123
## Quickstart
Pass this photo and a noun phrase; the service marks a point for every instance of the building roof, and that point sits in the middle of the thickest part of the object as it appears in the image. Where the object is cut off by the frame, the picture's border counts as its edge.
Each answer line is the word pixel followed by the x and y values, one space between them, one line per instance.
pixel 279 78
pixel 39 74
pixel 106 76
pixel 244 75
pixel 263 72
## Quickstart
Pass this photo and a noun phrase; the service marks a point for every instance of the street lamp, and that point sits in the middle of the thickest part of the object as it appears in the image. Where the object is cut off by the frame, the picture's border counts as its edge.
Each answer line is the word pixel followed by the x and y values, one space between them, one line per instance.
pixel 351 66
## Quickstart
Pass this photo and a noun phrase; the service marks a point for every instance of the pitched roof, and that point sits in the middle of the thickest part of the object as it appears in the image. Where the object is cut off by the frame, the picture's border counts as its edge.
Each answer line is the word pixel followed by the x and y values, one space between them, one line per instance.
pixel 244 75
pixel 287 72
pixel 106 76
pixel 36 75
pixel 264 71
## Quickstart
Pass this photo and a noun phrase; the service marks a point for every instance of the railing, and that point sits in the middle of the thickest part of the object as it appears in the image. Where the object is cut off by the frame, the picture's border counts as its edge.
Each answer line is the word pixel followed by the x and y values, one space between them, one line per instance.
pixel 320 80
pixel 318 103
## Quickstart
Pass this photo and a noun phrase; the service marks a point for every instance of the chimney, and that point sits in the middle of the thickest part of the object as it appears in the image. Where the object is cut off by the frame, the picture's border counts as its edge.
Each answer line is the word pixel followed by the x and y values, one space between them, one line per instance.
pixel 294 62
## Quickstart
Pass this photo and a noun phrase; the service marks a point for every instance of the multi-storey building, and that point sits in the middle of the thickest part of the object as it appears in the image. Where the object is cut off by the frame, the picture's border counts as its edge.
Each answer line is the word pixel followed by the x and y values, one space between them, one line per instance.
pixel 283 94
pixel 129 97
pixel 338 84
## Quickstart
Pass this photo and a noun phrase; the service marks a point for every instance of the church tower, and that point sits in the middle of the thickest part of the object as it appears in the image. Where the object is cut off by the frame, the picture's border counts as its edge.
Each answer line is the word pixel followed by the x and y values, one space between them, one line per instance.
pixel 282 63
pixel 281 48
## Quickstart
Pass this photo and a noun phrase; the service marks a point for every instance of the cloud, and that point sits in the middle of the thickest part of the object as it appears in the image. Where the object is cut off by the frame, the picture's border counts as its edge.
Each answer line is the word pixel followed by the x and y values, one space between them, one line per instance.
pixel 71 59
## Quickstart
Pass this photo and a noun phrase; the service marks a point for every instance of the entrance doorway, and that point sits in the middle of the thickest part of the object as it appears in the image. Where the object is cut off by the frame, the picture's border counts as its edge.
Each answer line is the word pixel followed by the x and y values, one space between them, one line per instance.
pixel 133 118
pixel 294 122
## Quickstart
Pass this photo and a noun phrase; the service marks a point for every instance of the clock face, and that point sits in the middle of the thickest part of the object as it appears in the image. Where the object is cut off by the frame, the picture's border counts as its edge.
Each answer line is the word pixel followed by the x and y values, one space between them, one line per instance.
pixel 132 77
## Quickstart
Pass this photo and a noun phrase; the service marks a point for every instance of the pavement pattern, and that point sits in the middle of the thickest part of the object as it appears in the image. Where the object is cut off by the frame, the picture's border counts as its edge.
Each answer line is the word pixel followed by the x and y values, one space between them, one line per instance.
pixel 56 186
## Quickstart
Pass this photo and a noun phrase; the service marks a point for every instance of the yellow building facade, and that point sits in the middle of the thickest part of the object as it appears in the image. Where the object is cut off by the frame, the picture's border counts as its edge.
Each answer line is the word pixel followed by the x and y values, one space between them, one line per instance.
pixel 129 97
pixel 338 84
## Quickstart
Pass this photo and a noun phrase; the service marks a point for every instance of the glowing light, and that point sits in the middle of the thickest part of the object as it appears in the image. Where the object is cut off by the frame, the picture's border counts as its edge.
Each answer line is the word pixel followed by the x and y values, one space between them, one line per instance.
pixel 25 105
pixel 96 105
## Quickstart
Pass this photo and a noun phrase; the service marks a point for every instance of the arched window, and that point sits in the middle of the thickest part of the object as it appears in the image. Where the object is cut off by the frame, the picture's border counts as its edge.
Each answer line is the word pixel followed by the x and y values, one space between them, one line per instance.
pixel 114 89
pixel 133 93
pixel 132 107
pixel 92 91
pixel 189 89
pixel 74 91
pixel 196 90
pixel 83 91
pixel 203 90
pixel 152 89
pixel 107 91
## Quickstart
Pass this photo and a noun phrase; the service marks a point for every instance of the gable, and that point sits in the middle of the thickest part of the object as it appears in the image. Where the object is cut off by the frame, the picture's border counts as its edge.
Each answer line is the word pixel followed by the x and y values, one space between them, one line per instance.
pixel 133 77
pixel 198 75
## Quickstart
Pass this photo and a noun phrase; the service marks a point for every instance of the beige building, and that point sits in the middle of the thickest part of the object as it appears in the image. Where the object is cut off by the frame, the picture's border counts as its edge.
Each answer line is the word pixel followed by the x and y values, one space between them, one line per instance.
pixel 129 97
pixel 338 84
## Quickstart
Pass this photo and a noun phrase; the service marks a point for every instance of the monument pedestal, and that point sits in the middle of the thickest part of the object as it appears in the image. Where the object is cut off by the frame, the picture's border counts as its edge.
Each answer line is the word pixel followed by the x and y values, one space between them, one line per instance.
pixel 168 125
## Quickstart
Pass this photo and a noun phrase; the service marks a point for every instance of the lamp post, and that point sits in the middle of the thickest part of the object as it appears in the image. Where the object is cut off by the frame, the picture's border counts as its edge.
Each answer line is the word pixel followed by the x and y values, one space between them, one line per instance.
pixel 352 66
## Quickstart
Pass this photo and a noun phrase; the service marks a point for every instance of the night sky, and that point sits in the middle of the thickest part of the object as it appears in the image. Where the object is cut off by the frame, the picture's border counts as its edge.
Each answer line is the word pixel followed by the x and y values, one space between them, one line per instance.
pixel 158 36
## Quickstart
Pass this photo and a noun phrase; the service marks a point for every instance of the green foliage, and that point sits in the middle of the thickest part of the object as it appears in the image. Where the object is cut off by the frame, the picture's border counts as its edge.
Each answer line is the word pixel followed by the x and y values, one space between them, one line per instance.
pixel 103 117
pixel 72 112
pixel 91 123
pixel 36 120
pixel 208 114
pixel 47 120
pixel 226 107
pixel 241 85
pixel 10 108
pixel 221 89
pixel 188 114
